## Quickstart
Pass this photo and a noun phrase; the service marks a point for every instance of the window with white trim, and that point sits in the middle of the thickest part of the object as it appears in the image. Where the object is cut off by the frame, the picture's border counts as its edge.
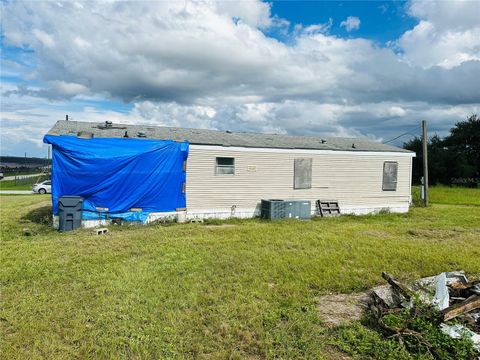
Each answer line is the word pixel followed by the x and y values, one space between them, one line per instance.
pixel 225 166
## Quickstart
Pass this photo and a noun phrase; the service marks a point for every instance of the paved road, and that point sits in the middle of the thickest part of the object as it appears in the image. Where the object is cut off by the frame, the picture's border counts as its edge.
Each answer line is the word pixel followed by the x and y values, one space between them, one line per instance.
pixel 23 176
pixel 16 192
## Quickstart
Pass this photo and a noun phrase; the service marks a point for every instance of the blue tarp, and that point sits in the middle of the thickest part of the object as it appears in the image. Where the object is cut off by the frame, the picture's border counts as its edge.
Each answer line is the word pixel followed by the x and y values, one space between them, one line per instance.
pixel 115 175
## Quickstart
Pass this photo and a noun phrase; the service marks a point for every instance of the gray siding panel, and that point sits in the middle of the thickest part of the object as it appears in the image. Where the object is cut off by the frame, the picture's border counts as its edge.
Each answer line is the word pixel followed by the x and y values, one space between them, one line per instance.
pixel 303 173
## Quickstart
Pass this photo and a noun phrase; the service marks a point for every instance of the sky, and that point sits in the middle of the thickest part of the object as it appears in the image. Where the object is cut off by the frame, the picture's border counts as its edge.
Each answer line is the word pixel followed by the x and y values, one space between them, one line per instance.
pixel 359 69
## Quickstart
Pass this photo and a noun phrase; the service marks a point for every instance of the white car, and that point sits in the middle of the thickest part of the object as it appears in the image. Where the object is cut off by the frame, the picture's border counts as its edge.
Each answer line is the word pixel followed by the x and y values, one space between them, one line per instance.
pixel 43 188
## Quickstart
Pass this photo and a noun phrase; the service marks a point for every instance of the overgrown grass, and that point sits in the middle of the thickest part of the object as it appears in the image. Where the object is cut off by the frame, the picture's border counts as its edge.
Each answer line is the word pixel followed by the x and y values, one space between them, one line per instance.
pixel 195 291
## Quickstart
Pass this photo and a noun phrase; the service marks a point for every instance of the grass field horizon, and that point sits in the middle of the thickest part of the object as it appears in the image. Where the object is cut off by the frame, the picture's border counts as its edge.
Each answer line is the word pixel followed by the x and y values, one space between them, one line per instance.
pixel 246 290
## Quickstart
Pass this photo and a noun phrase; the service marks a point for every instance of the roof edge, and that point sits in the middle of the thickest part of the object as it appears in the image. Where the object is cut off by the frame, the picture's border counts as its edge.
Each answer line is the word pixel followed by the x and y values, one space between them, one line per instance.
pixel 206 137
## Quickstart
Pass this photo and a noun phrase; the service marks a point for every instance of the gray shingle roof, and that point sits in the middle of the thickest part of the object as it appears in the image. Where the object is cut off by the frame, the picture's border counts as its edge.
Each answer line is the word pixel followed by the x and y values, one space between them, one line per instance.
pixel 223 138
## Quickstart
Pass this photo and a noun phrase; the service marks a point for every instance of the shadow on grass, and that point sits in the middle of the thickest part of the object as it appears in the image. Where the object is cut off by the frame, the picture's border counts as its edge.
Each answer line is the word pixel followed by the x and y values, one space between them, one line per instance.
pixel 41 215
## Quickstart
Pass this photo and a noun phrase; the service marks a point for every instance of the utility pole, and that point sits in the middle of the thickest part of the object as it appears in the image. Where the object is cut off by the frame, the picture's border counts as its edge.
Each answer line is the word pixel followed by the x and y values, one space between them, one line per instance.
pixel 425 161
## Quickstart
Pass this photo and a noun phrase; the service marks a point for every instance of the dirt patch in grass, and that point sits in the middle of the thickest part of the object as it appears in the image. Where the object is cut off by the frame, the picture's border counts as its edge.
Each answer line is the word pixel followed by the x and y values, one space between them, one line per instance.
pixel 376 233
pixel 219 226
pixel 341 309
pixel 436 233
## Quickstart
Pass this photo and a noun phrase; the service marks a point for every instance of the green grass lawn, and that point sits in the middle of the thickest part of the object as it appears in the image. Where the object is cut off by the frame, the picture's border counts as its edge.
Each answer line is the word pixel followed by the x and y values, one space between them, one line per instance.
pixel 451 195
pixel 10 185
pixel 455 195
pixel 242 289
pixel 23 184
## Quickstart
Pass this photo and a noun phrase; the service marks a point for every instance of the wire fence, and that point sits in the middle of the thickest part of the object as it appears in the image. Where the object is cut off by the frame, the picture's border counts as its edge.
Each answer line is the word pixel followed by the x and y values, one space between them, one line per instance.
pixel 30 180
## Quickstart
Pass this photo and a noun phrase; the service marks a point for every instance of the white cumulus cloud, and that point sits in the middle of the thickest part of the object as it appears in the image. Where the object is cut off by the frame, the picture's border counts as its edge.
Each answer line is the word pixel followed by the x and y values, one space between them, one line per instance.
pixel 351 23
pixel 447 35
pixel 209 64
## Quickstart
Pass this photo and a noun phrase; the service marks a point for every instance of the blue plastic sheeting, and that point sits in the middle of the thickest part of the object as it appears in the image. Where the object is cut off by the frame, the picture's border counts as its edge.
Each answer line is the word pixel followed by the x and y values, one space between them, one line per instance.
pixel 127 216
pixel 116 175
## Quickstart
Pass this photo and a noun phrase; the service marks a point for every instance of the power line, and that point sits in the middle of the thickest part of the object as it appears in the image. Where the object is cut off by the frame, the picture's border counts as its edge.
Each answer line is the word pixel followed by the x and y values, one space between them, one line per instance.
pixel 406 133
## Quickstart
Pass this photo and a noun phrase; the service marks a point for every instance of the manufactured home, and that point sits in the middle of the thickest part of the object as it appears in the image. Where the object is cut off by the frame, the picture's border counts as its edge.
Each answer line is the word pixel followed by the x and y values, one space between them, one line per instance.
pixel 147 172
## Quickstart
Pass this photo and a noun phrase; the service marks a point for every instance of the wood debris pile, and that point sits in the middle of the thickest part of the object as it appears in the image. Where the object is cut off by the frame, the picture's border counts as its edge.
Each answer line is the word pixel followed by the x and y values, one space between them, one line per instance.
pixel 455 297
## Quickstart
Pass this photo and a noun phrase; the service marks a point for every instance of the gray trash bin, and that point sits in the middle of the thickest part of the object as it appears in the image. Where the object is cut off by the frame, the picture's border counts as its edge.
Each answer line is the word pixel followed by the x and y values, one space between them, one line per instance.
pixel 70 212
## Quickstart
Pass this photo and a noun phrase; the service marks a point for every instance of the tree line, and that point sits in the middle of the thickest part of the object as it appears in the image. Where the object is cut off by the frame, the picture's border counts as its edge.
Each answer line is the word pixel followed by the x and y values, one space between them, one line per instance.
pixel 453 159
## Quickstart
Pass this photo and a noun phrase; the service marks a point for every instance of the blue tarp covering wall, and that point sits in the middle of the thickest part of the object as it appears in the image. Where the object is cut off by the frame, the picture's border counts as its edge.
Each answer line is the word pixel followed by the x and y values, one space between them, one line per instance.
pixel 115 175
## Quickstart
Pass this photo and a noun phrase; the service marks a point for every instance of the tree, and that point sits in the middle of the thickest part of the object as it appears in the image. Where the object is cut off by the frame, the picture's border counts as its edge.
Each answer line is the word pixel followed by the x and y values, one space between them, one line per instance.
pixel 463 144
pixel 457 156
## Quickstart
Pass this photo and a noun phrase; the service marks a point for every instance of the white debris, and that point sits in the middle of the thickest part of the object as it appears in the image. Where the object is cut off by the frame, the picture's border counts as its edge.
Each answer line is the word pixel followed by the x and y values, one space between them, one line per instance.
pixel 476 289
pixel 442 297
pixel 385 294
pixel 457 331
pixel 456 277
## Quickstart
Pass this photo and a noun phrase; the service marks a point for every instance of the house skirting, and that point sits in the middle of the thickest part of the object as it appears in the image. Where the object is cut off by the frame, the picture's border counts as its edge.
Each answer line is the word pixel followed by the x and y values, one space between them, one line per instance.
pixel 221 214
pixel 249 213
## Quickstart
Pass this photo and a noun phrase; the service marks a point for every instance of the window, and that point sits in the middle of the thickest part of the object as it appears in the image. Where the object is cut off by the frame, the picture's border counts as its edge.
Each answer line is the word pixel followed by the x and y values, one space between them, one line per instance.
pixel 390 172
pixel 302 173
pixel 225 166
pixel 48 183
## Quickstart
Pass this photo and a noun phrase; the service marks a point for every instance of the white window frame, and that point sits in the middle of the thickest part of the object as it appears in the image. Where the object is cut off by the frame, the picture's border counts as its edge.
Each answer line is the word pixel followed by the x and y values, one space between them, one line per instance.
pixel 217 166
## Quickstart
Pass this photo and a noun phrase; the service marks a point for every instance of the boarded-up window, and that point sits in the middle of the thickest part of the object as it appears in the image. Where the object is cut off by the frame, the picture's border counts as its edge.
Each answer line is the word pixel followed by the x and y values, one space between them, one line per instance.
pixel 302 173
pixel 225 166
pixel 390 172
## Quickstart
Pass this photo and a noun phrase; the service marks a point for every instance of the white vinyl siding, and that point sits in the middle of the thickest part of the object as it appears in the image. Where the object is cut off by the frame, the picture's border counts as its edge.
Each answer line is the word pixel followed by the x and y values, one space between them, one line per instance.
pixel 352 179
